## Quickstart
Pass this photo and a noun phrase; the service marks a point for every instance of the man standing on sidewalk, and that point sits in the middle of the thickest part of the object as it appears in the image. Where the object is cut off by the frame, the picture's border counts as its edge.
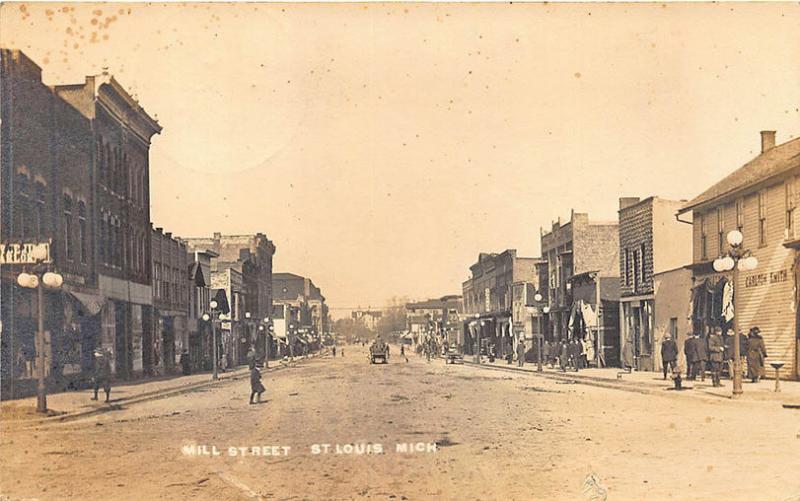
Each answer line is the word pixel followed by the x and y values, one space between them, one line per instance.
pixel 102 373
pixel 690 353
pixel 716 348
pixel 520 353
pixel 669 354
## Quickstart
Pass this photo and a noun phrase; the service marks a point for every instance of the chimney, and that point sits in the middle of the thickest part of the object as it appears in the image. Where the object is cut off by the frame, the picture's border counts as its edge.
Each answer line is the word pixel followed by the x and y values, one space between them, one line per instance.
pixel 625 202
pixel 767 140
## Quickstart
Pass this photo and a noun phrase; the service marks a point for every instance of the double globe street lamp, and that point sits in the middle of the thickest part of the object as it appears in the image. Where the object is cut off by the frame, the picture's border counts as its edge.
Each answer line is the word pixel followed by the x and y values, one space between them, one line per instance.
pixel 736 259
pixel 50 280
pixel 212 317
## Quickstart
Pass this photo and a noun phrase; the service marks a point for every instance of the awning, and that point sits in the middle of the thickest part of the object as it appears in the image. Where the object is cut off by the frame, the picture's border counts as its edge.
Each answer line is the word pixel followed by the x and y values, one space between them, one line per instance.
pixel 90 303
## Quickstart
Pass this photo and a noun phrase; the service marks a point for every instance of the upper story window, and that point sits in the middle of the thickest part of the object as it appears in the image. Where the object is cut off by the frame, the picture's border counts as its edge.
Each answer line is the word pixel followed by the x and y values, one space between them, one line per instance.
pixel 791 205
pixel 740 215
pixel 82 232
pixel 762 218
pixel 68 246
pixel 642 264
pixel 627 267
pixel 41 215
pixel 703 238
pixel 721 239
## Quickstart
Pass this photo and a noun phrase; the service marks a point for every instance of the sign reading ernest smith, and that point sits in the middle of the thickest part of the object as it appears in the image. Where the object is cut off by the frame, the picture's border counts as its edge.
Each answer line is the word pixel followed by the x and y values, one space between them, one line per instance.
pixel 24 253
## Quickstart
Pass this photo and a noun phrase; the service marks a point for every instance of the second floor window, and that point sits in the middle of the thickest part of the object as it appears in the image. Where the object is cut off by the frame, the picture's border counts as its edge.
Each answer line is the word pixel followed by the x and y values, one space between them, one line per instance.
pixel 627 267
pixel 643 264
pixel 791 203
pixel 68 247
pixel 721 239
pixel 82 235
pixel 762 218
pixel 703 238
pixel 740 215
pixel 41 216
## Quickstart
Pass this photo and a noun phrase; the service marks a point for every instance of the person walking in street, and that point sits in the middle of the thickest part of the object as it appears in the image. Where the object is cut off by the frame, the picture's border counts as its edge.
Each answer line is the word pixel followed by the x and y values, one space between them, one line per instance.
pixel 690 353
pixel 716 349
pixel 520 353
pixel 756 353
pixel 334 351
pixel 185 362
pixel 102 373
pixel 256 388
pixel 251 358
pixel 669 354
pixel 701 347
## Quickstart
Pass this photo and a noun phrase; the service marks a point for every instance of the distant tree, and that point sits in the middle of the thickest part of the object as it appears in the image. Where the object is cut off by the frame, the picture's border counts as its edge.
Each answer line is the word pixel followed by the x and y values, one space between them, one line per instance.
pixel 393 321
pixel 351 329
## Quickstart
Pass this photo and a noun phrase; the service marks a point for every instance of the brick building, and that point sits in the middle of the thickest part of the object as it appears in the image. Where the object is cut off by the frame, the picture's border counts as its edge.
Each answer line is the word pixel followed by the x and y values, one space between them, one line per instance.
pixel 760 200
pixel 651 242
pixel 170 303
pixel 500 296
pixel 306 306
pixel 199 332
pixel 120 217
pixel 47 196
pixel 583 284
pixel 441 317
pixel 251 256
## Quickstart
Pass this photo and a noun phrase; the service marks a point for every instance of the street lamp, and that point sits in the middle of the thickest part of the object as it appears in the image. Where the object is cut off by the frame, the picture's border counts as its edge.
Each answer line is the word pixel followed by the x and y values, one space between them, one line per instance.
pixel 737 259
pixel 212 317
pixel 50 280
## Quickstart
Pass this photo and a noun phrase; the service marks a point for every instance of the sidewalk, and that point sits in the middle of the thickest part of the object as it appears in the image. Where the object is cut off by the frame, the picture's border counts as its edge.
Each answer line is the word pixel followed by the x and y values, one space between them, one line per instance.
pixel 654 384
pixel 76 404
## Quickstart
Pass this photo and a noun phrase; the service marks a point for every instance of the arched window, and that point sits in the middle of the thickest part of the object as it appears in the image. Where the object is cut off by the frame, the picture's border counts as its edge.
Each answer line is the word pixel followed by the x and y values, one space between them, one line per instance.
pixel 82 236
pixel 68 247
pixel 41 215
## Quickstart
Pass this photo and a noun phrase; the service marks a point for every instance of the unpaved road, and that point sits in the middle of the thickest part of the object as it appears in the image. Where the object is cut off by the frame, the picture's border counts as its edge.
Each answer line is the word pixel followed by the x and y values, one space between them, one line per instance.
pixel 500 436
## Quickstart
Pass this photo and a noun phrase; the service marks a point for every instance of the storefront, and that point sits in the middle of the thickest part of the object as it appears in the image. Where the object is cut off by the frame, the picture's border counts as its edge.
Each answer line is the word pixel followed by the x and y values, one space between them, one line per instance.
pixel 637 330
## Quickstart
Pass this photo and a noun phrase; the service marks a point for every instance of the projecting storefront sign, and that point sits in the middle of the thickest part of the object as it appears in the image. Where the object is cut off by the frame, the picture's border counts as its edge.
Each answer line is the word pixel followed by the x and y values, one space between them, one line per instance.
pixel 760 279
pixel 24 253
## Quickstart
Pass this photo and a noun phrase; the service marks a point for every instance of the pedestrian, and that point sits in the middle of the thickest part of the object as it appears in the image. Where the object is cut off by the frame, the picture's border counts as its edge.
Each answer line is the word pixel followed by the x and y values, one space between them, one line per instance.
pixel 701 346
pixel 334 351
pixel 251 358
pixel 716 349
pixel 727 355
pixel 256 388
pixel 102 373
pixel 563 355
pixel 742 350
pixel 575 349
pixel 690 353
pixel 669 354
pixel 402 350
pixel 342 352
pixel 756 353
pixel 185 363
pixel 627 354
pixel 520 354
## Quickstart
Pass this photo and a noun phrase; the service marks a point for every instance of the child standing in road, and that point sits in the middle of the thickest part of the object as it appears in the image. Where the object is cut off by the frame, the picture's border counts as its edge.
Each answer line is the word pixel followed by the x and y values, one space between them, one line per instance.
pixel 256 388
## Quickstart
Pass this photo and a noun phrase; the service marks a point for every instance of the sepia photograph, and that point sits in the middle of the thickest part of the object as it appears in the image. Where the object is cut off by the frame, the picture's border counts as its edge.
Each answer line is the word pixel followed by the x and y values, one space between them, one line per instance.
pixel 399 251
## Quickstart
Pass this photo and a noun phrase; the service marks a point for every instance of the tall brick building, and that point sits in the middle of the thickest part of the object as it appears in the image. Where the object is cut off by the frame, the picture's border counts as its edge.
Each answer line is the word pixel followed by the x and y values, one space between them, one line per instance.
pixel 759 199
pixel 651 242
pixel 583 284
pixel 164 344
pixel 47 196
pixel 121 133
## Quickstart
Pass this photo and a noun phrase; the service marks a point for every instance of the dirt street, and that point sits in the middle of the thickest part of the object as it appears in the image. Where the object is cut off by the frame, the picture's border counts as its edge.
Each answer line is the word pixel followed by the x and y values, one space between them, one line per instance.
pixel 498 435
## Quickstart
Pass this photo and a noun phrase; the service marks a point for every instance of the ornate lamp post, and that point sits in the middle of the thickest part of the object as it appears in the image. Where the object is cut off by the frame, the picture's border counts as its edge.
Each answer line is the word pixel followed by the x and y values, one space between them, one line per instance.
pixel 736 259
pixel 213 317
pixel 50 280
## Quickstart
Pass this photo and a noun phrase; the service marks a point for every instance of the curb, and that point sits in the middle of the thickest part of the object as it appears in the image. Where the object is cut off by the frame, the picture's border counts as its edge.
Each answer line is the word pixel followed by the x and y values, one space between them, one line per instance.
pixel 604 383
pixel 144 397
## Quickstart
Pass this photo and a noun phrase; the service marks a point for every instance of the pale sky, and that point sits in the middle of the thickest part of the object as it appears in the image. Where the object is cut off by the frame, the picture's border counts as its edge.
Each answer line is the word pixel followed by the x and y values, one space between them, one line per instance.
pixel 383 146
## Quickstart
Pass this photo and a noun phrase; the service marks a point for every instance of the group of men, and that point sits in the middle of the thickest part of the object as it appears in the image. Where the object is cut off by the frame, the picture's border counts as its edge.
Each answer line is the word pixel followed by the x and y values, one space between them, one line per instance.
pixel 569 354
pixel 714 350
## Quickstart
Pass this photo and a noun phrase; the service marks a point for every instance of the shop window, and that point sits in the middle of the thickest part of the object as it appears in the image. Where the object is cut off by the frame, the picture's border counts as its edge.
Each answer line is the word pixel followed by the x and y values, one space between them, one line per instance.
pixel 673 328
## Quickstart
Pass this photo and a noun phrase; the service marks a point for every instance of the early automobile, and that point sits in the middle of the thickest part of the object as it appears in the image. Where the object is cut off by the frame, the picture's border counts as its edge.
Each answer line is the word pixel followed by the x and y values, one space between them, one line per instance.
pixel 452 356
pixel 379 352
